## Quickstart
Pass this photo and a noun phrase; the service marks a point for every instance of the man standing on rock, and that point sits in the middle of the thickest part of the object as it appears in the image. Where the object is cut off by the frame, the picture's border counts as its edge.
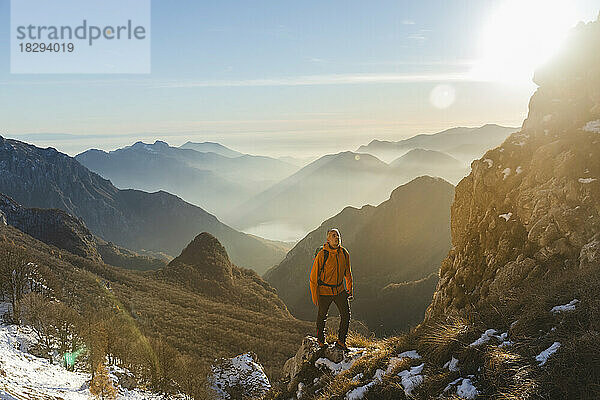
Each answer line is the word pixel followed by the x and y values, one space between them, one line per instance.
pixel 330 268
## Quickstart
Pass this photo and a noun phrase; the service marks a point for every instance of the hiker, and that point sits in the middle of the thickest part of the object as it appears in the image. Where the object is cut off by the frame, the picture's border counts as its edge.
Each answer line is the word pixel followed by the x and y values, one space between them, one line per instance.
pixel 331 266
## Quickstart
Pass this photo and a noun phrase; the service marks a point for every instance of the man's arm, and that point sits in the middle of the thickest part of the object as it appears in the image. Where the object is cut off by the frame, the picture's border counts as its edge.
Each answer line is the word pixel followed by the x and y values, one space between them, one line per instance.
pixel 348 276
pixel 314 278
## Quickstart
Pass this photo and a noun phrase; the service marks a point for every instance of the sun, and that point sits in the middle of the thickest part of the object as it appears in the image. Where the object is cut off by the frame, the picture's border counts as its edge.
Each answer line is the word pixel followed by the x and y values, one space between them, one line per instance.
pixel 520 36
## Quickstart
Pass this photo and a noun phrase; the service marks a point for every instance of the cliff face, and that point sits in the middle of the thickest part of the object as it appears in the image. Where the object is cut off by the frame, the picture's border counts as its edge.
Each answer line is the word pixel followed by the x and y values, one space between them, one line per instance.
pixel 531 207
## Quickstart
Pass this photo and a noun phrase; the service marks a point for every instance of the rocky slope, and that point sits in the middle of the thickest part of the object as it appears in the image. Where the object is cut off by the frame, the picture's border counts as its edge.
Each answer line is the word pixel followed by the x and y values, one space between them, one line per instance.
pixel 402 239
pixel 159 221
pixel 58 228
pixel 531 207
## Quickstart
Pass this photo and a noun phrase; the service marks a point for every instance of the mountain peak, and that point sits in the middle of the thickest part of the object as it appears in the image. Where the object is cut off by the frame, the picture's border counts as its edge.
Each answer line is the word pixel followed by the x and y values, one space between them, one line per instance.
pixel 207 257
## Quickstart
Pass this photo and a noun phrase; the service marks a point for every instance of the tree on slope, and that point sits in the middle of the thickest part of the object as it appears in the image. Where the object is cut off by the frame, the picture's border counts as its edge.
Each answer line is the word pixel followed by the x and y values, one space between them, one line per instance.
pixel 101 386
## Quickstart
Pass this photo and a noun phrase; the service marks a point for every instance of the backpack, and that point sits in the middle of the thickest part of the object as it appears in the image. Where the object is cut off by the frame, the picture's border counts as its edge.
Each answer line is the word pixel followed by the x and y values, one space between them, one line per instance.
pixel 322 266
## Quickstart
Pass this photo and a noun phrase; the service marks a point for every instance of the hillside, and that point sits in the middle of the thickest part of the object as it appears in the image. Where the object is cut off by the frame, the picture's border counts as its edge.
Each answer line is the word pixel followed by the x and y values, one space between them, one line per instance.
pixel 463 143
pixel 515 312
pixel 210 180
pixel 403 239
pixel 162 313
pixel 58 228
pixel 160 222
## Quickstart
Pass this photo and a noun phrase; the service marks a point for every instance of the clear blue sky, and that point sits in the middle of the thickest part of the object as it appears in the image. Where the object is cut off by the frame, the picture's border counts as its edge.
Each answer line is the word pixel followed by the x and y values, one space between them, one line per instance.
pixel 279 77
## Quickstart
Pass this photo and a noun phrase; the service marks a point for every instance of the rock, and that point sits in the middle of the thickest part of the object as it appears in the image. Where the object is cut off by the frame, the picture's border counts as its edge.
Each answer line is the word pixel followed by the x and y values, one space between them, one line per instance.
pixel 2 218
pixel 239 377
pixel 306 355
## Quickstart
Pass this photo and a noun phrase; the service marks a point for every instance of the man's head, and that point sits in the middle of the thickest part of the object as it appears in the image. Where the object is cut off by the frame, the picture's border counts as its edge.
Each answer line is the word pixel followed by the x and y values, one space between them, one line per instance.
pixel 334 238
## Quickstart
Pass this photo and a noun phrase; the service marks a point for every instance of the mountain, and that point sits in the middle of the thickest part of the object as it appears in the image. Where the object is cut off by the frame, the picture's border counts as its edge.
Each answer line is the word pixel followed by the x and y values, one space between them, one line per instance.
pixel 515 312
pixel 58 228
pixel 320 189
pixel 429 162
pixel 211 147
pixel 134 219
pixel 464 143
pixel 213 181
pixel 403 239
pixel 157 324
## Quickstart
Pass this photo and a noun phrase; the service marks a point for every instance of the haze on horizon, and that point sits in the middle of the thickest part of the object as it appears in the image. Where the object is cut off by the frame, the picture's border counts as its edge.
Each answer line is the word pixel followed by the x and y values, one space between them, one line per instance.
pixel 299 79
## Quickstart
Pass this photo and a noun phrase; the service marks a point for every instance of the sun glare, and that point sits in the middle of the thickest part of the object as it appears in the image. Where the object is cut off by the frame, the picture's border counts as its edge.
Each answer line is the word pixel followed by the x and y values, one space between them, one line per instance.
pixel 520 36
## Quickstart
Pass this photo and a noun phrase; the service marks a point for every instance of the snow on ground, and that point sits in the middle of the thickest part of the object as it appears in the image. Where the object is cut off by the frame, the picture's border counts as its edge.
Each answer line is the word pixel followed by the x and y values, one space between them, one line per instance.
pixel 359 392
pixel 452 365
pixel 354 354
pixel 24 376
pixel 485 337
pixel 489 162
pixel 506 172
pixel 412 378
pixel 465 388
pixel 565 307
pixel 505 216
pixel 240 370
pixel 592 126
pixel 519 170
pixel 542 358
pixel 586 180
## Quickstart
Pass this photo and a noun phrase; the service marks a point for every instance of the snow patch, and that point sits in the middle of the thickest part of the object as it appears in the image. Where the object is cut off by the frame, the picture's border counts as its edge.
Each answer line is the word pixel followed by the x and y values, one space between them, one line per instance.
pixel 542 358
pixel 505 216
pixel 487 336
pixel 506 173
pixel 353 355
pixel 592 126
pixel 489 162
pixel 466 389
pixel 412 378
pixel 452 365
pixel 359 392
pixel 586 180
pixel 519 170
pixel 26 376
pixel 565 307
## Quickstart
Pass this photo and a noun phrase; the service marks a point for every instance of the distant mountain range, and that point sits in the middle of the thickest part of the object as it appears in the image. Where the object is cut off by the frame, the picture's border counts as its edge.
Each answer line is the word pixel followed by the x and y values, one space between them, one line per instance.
pixel 466 144
pixel 403 239
pixel 324 187
pixel 209 175
pixel 134 219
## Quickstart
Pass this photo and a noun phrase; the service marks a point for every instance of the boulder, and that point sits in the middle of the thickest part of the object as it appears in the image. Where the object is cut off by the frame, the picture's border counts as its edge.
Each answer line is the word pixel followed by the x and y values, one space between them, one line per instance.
pixel 239 377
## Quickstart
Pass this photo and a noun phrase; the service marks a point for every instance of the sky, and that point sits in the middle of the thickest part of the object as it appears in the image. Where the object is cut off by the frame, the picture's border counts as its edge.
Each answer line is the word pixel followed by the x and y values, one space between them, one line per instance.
pixel 298 78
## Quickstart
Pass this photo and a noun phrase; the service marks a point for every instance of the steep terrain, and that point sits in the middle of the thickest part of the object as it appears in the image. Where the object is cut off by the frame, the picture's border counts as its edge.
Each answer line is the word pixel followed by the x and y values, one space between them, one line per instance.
pixel 515 312
pixel 58 228
pixel 212 181
pixel 149 313
pixel 402 239
pixel 466 144
pixel 159 221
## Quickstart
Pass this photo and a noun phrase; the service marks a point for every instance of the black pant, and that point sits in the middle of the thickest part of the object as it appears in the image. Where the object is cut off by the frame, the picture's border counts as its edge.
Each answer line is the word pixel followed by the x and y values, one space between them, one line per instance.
pixel 341 301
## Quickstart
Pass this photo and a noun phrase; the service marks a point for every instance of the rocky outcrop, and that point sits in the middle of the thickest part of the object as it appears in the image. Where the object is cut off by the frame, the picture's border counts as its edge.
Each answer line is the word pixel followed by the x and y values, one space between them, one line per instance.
pixel 240 377
pixel 303 372
pixel 531 207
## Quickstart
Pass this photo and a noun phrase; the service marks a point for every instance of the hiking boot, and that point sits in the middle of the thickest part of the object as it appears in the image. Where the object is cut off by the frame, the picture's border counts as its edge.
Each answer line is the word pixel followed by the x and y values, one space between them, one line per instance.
pixel 341 346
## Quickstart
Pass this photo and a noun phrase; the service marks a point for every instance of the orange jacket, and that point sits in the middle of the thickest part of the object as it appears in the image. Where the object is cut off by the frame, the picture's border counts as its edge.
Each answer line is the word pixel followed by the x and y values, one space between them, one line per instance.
pixel 334 271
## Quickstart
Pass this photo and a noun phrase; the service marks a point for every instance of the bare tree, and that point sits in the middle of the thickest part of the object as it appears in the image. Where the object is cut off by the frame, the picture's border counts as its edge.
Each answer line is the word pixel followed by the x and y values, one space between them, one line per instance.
pixel 16 269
